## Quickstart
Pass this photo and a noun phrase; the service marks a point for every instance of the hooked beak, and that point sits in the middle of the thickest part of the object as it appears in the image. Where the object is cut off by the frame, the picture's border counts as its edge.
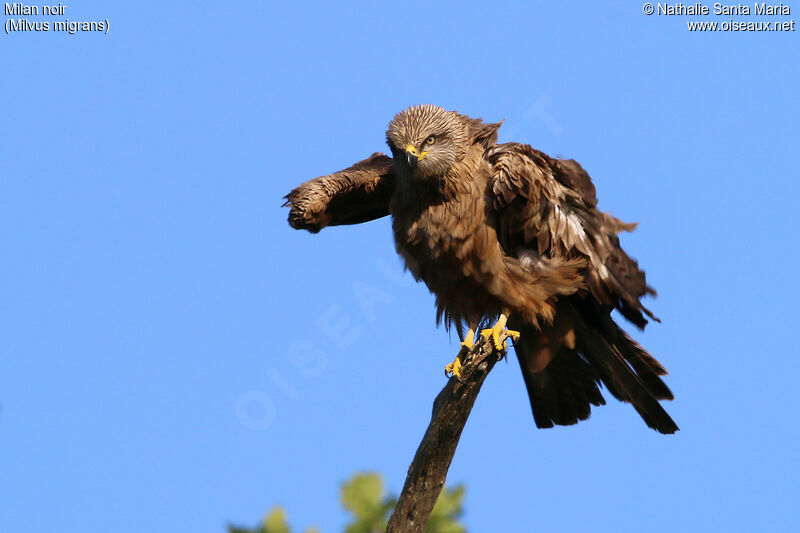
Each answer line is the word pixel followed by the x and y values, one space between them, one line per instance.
pixel 413 156
pixel 412 160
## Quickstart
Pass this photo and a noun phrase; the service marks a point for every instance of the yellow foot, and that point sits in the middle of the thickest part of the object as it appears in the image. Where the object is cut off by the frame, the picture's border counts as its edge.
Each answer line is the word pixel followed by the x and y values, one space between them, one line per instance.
pixel 498 333
pixel 454 368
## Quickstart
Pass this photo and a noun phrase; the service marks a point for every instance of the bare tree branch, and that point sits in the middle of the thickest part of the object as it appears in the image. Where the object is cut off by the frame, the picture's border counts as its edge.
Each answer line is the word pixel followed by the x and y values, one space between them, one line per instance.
pixel 451 408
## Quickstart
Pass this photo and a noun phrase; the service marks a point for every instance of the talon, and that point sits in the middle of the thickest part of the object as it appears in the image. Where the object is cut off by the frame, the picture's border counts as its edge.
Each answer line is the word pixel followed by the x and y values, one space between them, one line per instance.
pixel 454 368
pixel 498 333
pixel 494 334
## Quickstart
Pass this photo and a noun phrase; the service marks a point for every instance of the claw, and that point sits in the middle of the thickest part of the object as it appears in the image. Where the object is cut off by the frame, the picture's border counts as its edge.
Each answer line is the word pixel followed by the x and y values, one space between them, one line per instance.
pixel 498 333
pixel 454 368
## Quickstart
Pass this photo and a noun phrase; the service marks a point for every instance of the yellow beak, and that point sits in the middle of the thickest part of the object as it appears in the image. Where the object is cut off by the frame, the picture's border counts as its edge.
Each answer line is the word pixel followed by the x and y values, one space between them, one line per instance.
pixel 411 149
pixel 413 156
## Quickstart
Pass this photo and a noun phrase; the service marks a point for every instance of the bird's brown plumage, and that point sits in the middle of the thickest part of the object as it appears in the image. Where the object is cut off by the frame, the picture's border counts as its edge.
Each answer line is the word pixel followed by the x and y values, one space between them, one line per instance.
pixel 491 227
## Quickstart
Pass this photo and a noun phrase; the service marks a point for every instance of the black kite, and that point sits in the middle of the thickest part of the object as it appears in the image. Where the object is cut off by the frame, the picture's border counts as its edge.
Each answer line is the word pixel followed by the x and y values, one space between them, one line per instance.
pixel 505 232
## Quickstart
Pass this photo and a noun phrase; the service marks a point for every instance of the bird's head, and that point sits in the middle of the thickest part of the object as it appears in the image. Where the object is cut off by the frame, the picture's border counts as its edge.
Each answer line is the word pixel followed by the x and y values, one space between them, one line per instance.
pixel 426 140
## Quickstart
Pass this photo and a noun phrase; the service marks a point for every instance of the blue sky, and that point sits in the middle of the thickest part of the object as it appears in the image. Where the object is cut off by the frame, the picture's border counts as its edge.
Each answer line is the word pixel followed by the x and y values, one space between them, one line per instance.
pixel 173 357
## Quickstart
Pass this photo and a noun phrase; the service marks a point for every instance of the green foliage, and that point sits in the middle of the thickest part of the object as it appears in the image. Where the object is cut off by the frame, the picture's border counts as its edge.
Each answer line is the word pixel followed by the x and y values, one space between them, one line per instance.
pixel 274 522
pixel 447 511
pixel 363 497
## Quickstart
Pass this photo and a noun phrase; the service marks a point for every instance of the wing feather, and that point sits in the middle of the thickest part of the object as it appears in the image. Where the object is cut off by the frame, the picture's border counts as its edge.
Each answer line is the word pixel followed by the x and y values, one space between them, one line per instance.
pixel 549 205
pixel 356 194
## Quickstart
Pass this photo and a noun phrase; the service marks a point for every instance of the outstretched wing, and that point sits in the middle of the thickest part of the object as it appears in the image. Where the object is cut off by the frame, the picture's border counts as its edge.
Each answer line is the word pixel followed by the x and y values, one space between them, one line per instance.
pixel 356 194
pixel 547 209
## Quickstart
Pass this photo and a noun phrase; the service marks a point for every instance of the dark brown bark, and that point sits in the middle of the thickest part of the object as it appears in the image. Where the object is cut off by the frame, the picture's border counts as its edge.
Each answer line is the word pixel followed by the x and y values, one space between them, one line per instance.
pixel 451 408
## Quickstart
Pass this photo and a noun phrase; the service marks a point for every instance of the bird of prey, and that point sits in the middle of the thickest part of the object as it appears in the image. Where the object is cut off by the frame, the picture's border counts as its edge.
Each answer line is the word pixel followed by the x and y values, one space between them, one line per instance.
pixel 503 234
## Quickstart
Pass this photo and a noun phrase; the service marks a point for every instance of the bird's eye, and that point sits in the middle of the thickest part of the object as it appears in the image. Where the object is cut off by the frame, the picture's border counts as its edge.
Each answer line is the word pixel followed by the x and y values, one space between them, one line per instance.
pixel 430 140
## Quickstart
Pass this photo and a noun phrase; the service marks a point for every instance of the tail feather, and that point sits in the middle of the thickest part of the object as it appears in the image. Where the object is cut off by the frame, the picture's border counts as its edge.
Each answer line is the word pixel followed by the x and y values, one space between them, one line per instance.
pixel 563 392
pixel 645 365
pixel 614 368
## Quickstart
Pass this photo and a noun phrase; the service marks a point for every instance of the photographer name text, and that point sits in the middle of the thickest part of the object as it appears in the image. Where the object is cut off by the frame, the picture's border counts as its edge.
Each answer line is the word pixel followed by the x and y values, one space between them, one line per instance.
pixel 699 9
